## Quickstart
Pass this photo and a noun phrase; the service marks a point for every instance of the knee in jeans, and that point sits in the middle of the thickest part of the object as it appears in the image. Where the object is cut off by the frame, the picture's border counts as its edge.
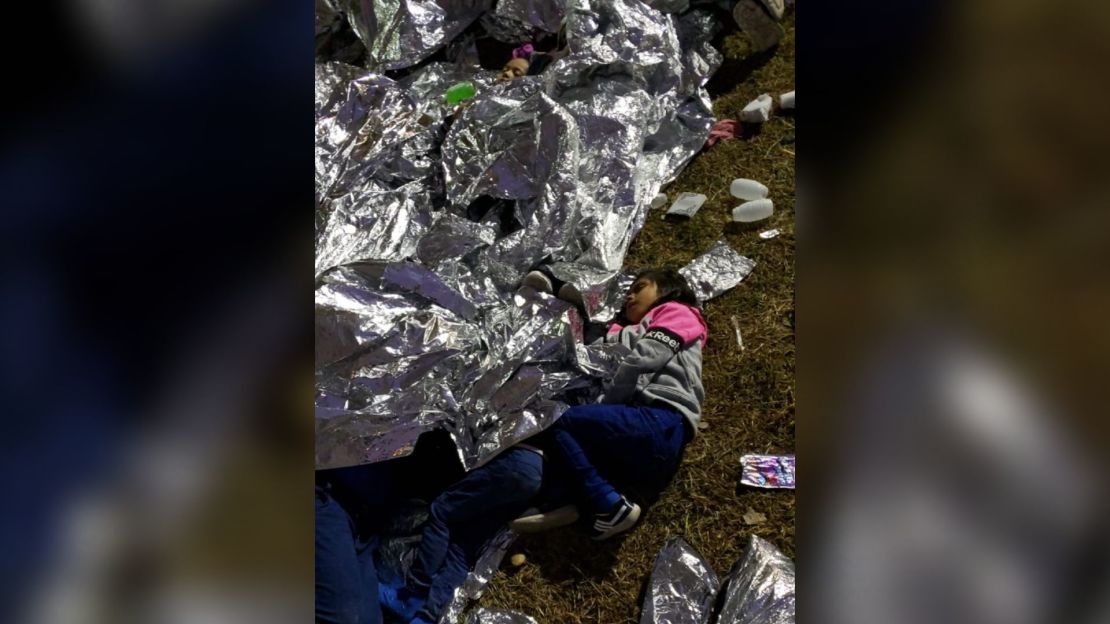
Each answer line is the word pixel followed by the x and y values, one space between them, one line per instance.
pixel 526 486
pixel 526 483
pixel 436 512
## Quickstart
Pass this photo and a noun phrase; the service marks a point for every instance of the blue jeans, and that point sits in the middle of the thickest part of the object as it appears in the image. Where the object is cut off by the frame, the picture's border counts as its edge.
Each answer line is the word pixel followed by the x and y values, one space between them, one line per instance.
pixel 631 446
pixel 465 516
pixel 346 581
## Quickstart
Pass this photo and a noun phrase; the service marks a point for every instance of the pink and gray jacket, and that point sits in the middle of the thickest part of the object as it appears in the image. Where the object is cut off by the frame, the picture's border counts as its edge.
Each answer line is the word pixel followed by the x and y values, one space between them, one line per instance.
pixel 664 367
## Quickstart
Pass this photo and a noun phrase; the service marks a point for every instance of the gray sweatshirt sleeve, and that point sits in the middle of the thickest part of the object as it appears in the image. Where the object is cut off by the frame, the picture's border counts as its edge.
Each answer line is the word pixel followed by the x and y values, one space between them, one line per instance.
pixel 651 353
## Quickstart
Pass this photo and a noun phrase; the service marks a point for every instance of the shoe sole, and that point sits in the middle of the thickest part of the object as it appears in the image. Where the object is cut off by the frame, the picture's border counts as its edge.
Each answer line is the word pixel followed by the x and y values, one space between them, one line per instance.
pixel 538 281
pixel 571 295
pixel 553 519
pixel 628 522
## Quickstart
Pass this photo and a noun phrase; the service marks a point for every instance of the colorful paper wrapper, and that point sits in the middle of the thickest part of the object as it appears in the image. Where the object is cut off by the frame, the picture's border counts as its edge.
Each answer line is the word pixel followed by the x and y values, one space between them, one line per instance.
pixel 767 471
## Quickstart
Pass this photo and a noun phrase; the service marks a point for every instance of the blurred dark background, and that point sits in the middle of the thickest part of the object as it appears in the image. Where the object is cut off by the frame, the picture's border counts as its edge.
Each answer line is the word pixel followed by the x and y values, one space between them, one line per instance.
pixel 952 285
pixel 156 345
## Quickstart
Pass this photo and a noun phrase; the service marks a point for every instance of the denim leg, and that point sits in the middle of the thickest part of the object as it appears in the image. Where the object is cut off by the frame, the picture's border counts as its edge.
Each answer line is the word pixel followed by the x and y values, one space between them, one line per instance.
pixel 607 445
pixel 598 492
pixel 482 498
pixel 467 545
pixel 449 577
pixel 346 581
pixel 670 440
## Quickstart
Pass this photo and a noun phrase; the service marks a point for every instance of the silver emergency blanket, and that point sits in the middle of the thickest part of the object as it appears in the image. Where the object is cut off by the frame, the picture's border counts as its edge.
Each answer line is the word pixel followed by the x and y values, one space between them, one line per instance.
pixel 401 33
pixel 498 616
pixel 760 587
pixel 400 350
pixel 419 324
pixel 716 271
pixel 682 587
pixel 537 15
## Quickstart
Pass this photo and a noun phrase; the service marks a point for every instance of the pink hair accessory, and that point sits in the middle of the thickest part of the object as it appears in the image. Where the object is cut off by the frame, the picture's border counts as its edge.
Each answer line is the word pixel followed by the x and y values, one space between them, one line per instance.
pixel 525 52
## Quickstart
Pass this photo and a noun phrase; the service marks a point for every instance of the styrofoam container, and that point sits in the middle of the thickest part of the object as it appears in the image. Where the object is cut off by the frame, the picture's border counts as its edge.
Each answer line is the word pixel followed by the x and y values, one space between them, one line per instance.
pixel 746 189
pixel 758 110
pixel 755 210
pixel 659 200
pixel 786 100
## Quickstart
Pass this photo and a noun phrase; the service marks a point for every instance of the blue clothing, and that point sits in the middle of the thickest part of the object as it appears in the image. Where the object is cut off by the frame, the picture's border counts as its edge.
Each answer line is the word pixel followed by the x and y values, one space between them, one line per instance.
pixel 346 580
pixel 465 516
pixel 351 504
pixel 631 446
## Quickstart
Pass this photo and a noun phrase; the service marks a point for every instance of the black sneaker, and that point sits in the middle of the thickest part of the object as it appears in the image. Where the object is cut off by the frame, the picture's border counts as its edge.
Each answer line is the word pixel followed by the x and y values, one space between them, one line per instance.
pixel 622 518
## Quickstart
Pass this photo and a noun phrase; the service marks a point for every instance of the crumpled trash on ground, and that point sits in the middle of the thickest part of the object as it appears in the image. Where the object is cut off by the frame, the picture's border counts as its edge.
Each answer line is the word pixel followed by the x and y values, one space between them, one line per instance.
pixel 686 205
pixel 758 110
pixel 736 327
pixel 682 587
pixel 767 471
pixel 716 271
pixel 760 587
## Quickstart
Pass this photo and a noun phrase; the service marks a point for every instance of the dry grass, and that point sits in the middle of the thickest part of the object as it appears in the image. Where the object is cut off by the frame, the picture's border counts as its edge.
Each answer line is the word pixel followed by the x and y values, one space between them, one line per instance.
pixel 750 394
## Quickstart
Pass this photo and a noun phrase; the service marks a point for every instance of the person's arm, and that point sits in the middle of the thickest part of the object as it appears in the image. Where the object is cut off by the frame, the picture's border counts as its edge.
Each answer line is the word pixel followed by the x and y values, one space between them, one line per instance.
pixel 670 329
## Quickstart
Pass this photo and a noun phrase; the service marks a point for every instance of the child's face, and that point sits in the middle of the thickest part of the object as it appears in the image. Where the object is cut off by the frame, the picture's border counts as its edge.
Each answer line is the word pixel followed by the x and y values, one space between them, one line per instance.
pixel 638 301
pixel 513 69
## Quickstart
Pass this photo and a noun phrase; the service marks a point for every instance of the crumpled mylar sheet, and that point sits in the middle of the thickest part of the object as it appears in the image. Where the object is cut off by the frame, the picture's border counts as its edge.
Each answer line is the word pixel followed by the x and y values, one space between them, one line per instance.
pixel 716 271
pixel 498 616
pixel 682 587
pixel 684 590
pixel 401 33
pixel 419 324
pixel 760 587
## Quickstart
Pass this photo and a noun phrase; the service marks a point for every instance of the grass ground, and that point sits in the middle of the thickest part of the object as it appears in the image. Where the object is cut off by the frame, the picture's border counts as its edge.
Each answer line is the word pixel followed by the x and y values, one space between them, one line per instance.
pixel 749 405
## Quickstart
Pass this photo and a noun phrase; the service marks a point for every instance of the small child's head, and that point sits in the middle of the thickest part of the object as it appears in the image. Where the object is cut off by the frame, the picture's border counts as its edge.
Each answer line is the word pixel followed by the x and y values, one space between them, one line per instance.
pixel 514 69
pixel 655 287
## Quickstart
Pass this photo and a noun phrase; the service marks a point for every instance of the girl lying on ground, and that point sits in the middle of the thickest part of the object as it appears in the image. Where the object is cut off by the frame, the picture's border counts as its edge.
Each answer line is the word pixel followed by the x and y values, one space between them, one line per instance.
pixel 635 435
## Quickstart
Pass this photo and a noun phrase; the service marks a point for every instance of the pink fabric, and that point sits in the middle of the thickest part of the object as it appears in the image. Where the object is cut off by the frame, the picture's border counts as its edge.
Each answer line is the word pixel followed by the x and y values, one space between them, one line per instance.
pixel 525 52
pixel 723 130
pixel 681 319
pixel 614 328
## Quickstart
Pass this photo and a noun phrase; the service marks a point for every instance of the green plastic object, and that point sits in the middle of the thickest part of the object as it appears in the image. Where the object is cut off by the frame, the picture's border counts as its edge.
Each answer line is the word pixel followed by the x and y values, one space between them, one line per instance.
pixel 459 92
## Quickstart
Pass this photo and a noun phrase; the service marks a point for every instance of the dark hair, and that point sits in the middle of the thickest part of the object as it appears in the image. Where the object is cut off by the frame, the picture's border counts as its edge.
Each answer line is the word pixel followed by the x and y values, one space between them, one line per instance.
pixel 671 286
